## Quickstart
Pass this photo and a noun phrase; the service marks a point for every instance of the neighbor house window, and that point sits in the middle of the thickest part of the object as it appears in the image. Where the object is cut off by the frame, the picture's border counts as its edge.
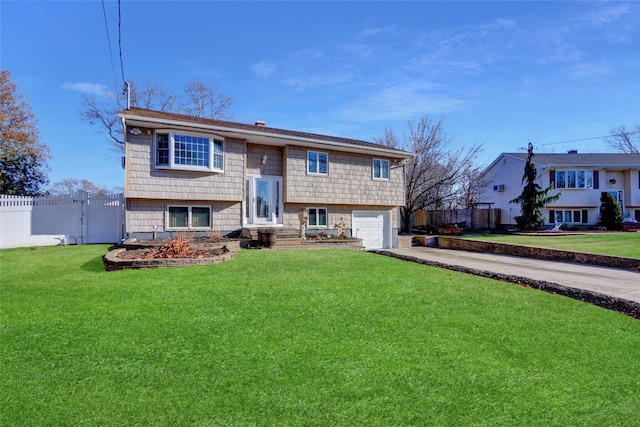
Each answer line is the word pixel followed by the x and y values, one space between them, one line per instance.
pixel 189 151
pixel 188 217
pixel 317 162
pixel 317 217
pixel 569 216
pixel 574 179
pixel 380 169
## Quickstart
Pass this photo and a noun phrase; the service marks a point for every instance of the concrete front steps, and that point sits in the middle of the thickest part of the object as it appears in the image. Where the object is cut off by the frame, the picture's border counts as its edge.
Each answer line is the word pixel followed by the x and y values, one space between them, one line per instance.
pixel 287 238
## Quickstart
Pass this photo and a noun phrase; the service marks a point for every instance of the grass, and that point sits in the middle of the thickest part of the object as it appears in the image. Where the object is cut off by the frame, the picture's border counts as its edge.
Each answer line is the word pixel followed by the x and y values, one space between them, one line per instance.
pixel 616 244
pixel 326 337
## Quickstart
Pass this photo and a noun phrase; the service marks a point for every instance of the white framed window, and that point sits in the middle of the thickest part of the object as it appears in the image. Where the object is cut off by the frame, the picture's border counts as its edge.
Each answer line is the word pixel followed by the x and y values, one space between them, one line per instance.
pixel 581 179
pixel 186 217
pixel 317 163
pixel 380 169
pixel 317 217
pixel 188 151
pixel 569 216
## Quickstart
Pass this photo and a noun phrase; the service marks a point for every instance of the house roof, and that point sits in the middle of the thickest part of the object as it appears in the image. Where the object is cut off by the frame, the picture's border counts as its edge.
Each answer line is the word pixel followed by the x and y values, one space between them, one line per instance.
pixel 260 134
pixel 610 160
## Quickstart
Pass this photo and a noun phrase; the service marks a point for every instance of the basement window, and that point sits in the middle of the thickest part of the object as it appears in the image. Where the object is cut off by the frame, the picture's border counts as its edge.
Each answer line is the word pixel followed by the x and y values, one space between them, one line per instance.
pixel 317 217
pixel 188 217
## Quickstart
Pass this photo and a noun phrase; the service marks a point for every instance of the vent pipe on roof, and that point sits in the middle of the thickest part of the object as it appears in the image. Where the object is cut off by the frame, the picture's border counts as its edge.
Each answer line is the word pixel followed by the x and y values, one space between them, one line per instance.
pixel 127 91
pixel 572 152
pixel 261 123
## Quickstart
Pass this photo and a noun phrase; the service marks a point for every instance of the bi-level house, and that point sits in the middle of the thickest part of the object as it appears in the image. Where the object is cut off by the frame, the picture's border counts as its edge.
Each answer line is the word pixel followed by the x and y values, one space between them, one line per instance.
pixel 581 178
pixel 185 173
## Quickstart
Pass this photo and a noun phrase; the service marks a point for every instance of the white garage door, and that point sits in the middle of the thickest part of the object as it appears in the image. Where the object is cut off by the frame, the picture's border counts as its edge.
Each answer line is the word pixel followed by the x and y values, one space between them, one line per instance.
pixel 372 228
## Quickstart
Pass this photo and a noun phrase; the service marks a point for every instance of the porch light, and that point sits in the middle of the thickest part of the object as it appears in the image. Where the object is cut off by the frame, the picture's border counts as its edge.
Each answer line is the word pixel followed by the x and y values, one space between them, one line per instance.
pixel 264 159
pixel 612 181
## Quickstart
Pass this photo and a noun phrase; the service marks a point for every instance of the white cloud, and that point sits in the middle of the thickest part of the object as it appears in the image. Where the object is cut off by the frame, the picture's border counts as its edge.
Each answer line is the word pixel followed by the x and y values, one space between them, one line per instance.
pixel 315 81
pixel 368 32
pixel 496 25
pixel 88 88
pixel 589 71
pixel 609 14
pixel 263 69
pixel 402 102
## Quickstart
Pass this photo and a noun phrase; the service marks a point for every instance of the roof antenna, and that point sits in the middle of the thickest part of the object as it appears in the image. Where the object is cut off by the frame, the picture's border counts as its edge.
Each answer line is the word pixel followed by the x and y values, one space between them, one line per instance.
pixel 127 90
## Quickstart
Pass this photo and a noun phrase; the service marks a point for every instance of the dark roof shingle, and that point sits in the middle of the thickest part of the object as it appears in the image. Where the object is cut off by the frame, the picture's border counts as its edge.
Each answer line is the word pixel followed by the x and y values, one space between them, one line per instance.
pixel 141 113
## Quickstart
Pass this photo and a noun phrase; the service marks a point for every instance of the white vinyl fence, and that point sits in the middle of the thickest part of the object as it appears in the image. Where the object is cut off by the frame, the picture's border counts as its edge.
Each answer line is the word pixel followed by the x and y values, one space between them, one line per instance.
pixel 80 218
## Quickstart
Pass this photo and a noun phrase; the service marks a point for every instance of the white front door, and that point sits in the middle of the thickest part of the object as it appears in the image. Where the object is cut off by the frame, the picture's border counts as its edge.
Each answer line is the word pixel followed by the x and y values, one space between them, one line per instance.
pixel 264 200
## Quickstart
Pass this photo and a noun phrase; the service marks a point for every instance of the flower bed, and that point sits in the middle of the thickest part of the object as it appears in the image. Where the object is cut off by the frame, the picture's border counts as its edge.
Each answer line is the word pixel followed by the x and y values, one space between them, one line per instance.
pixel 178 252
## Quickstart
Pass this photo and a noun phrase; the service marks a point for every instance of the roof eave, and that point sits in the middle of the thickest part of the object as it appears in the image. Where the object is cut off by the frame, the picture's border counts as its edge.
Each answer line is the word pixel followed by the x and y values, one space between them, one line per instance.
pixel 238 132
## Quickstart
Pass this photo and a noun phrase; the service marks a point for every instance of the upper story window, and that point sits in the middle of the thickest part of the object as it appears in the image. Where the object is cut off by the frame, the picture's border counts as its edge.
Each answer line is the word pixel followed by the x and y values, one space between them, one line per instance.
pixel 317 162
pixel 574 179
pixel 189 152
pixel 380 169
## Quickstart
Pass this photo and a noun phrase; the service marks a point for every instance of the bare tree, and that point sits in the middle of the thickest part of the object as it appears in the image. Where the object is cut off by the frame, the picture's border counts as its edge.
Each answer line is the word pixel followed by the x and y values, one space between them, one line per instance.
pixel 204 101
pixel 104 114
pixel 625 140
pixel 388 138
pixel 152 96
pixel 436 173
pixel 198 100
pixel 73 185
pixel 470 181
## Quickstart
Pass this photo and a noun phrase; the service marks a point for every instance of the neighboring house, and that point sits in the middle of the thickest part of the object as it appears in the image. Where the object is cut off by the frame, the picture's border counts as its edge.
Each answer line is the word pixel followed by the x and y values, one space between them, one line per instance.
pixel 186 173
pixel 581 178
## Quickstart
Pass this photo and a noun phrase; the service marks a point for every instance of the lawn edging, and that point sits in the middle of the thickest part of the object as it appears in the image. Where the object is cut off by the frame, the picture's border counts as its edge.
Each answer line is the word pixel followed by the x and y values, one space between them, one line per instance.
pixel 621 305
pixel 538 252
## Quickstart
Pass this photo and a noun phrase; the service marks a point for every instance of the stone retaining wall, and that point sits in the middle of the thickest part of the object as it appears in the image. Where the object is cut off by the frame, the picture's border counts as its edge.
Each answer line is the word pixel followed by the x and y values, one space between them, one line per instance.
pixel 540 253
pixel 113 263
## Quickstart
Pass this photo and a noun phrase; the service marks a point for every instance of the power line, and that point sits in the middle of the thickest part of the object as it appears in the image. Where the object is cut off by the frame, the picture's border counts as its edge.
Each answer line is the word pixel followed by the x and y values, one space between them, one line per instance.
pixel 113 68
pixel 120 40
pixel 587 139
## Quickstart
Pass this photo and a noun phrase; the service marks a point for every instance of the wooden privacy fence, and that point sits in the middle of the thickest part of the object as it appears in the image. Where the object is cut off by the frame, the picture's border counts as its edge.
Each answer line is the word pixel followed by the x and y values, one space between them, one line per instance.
pixel 80 218
pixel 471 219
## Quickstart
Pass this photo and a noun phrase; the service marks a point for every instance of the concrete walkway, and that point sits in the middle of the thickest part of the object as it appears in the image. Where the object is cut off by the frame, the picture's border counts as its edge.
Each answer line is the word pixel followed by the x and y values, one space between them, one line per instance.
pixel 612 282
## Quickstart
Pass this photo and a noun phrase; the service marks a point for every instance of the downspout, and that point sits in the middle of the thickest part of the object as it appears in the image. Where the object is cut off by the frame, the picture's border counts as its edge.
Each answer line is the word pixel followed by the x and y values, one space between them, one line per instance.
pixel 124 140
pixel 126 173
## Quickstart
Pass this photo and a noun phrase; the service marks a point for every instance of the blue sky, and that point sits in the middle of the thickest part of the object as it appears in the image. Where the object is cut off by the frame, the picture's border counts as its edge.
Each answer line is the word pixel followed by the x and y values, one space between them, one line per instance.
pixel 501 73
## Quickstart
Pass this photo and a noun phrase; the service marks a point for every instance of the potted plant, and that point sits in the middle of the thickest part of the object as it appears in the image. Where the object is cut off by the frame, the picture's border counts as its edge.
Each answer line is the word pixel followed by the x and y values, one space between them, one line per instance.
pixel 268 237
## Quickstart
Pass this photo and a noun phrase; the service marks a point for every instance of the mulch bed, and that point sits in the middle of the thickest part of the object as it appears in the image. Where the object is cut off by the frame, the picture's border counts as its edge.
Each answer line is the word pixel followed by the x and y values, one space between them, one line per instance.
pixel 147 253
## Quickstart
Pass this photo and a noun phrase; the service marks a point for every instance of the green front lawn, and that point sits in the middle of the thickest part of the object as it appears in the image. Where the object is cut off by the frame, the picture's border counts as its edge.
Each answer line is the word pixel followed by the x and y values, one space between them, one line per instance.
pixel 616 244
pixel 323 338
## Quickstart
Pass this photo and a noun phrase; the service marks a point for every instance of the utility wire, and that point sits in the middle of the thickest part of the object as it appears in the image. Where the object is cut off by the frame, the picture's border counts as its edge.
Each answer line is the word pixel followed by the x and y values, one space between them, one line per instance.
pixel 120 40
pixel 587 139
pixel 113 68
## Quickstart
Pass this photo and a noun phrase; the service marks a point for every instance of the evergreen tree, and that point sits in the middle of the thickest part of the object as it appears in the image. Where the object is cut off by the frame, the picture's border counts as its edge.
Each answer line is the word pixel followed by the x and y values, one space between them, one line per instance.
pixel 610 212
pixel 533 197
